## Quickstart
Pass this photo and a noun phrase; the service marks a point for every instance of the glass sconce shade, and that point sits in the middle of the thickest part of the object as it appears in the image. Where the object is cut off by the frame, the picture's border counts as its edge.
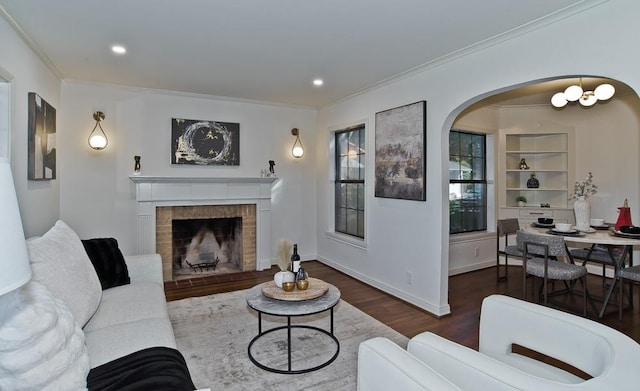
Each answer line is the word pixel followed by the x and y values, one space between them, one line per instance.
pixel 297 151
pixel 98 139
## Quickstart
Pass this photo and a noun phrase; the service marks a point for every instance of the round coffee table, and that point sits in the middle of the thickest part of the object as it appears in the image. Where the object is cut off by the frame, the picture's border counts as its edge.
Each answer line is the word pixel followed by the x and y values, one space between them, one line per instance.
pixel 289 309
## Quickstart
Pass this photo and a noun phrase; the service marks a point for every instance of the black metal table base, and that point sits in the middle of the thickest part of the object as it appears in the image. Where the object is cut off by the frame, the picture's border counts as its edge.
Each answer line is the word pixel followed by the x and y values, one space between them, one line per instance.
pixel 289 327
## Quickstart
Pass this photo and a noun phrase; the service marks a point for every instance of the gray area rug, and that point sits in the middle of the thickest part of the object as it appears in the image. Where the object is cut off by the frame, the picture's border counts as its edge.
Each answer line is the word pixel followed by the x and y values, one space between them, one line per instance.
pixel 213 333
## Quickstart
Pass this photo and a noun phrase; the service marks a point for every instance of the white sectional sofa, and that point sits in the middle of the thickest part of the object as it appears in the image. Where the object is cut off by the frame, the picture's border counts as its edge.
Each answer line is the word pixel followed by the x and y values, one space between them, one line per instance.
pixel 434 363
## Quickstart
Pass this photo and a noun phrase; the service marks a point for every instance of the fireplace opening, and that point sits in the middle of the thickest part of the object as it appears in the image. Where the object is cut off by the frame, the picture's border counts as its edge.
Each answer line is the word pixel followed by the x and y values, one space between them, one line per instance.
pixel 206 246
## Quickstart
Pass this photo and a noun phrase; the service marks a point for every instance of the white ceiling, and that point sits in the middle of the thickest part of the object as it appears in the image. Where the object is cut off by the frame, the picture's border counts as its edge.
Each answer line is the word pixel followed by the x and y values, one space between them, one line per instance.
pixel 265 50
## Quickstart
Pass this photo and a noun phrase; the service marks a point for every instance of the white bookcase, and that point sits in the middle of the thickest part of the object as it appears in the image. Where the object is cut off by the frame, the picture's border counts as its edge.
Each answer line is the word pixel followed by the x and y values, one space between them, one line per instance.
pixel 548 150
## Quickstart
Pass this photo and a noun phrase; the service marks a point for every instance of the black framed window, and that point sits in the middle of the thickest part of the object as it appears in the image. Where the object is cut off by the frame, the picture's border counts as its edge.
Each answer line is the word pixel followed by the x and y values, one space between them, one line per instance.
pixel 467 182
pixel 349 181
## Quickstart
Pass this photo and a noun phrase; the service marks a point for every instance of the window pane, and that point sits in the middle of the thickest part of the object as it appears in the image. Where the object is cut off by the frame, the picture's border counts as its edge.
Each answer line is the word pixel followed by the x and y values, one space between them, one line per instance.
pixel 341 220
pixel 361 162
pixel 344 168
pixel 360 205
pixel 361 224
pixel 352 222
pixel 341 195
pixel 468 186
pixel 478 168
pixel 341 144
pixel 352 196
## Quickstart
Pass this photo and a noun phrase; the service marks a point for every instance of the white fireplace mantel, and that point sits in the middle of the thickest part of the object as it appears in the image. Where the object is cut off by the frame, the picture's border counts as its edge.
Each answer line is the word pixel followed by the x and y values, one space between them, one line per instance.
pixel 157 191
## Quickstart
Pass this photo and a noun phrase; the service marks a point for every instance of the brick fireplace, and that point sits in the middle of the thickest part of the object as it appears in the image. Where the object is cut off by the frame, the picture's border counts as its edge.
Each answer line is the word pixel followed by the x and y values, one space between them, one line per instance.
pixel 159 200
pixel 166 217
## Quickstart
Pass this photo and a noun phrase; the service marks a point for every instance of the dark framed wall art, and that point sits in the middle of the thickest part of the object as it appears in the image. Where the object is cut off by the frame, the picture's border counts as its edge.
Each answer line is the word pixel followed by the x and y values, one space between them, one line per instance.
pixel 208 143
pixel 400 152
pixel 41 126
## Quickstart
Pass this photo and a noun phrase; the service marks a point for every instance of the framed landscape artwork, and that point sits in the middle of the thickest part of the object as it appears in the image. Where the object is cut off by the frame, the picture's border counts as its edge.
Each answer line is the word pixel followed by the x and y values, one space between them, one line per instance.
pixel 41 126
pixel 400 152
pixel 208 143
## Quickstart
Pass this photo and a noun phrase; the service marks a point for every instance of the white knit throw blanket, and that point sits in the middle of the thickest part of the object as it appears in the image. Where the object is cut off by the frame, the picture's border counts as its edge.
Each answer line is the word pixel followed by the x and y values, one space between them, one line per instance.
pixel 41 345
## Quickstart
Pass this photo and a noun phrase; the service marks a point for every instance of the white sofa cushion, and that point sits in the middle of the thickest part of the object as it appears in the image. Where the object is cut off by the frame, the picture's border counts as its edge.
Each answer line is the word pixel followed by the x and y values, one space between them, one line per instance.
pixel 109 343
pixel 59 261
pixel 129 303
pixel 41 345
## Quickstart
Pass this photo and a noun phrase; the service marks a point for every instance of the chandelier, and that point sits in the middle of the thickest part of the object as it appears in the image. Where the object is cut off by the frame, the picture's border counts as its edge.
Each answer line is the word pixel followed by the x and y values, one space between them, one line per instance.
pixel 575 93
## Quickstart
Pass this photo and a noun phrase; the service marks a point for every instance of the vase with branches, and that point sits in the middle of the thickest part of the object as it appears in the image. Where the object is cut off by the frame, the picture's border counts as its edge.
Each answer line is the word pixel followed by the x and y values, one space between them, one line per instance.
pixel 284 257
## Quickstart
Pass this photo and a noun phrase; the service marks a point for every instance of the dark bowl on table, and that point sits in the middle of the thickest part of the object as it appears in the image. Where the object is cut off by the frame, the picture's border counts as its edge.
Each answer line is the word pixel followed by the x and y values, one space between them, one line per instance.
pixel 545 220
pixel 630 229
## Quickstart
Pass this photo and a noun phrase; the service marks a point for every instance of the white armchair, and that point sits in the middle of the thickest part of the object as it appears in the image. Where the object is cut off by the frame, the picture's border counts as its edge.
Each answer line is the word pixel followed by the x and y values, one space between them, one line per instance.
pixel 608 356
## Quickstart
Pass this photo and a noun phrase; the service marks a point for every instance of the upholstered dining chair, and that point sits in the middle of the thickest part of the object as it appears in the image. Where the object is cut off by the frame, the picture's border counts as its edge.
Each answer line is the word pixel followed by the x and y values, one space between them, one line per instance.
pixel 542 253
pixel 506 227
pixel 606 256
pixel 627 273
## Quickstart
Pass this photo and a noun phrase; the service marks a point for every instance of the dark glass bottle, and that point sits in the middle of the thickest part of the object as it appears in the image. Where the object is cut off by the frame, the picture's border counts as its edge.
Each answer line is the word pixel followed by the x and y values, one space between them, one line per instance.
pixel 294 257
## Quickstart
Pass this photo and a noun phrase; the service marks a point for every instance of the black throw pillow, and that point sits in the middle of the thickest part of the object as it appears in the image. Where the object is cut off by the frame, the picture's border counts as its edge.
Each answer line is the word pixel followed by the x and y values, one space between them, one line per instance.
pixel 108 261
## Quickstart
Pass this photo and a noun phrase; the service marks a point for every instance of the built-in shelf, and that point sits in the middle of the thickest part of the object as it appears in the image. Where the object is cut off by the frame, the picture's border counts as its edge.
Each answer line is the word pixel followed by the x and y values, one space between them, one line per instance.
pixel 547 150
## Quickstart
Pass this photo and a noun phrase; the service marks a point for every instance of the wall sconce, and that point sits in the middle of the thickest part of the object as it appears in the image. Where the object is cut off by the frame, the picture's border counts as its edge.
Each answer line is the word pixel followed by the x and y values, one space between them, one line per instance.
pixel 297 151
pixel 98 139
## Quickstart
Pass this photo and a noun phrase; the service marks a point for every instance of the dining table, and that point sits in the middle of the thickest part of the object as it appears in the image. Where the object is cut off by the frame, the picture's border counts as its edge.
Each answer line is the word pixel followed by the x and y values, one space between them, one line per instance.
pixel 608 238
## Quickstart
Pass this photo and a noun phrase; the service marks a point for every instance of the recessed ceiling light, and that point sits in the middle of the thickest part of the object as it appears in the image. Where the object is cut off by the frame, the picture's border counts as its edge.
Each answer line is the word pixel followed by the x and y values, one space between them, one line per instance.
pixel 318 82
pixel 118 49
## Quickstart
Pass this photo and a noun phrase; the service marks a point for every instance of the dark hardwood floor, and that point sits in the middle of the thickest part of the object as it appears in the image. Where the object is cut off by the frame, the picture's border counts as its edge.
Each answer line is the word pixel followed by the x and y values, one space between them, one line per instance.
pixel 466 292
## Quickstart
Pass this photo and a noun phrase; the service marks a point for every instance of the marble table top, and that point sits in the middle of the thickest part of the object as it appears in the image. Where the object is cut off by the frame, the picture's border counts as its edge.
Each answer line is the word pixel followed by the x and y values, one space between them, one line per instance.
pixel 261 303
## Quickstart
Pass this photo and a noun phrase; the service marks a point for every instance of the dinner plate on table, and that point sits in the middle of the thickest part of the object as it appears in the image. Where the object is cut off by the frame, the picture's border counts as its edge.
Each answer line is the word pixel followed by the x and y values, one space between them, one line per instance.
pixel 540 225
pixel 626 235
pixel 573 232
pixel 602 227
pixel 588 231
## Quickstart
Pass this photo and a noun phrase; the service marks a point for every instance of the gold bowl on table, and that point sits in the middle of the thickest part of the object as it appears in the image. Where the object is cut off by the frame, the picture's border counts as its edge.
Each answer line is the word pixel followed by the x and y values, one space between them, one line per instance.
pixel 288 286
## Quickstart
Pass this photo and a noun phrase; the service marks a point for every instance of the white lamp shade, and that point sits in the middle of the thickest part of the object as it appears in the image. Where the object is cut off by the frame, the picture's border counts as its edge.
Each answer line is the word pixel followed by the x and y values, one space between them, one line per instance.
pixel 573 93
pixel 559 100
pixel 14 260
pixel 604 91
pixel 297 151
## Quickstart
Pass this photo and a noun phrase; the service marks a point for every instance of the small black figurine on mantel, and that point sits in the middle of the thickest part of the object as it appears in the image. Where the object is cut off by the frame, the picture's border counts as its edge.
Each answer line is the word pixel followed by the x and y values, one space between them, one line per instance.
pixel 272 165
pixel 136 166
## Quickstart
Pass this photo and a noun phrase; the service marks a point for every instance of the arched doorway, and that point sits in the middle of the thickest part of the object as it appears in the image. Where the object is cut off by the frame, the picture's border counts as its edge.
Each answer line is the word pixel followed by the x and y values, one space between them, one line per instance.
pixel 607 137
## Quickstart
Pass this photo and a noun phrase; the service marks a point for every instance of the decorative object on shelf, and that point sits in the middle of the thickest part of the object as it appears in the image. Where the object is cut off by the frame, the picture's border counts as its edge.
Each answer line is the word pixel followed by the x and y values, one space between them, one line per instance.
pixel 284 275
pixel 288 286
pixel 521 200
pixel 98 138
pixel 136 165
pixel 297 151
pixel 206 143
pixel 624 216
pixel 582 207
pixel 544 205
pixel 533 182
pixel 400 153
pixel 41 125
pixel 523 164
pixel 575 93
pixel 272 167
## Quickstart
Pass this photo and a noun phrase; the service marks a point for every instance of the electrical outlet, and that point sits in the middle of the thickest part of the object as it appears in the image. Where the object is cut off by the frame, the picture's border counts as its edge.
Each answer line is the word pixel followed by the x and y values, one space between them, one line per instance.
pixel 409 277
pixel 476 252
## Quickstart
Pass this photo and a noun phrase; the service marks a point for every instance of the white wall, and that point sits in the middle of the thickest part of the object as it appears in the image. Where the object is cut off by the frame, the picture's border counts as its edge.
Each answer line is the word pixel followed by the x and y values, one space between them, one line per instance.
pixel 413 236
pixel 97 196
pixel 39 200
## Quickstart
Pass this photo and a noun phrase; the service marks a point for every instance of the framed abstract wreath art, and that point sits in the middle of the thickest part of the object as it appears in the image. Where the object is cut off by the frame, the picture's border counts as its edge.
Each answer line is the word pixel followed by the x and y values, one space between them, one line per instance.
pixel 206 143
